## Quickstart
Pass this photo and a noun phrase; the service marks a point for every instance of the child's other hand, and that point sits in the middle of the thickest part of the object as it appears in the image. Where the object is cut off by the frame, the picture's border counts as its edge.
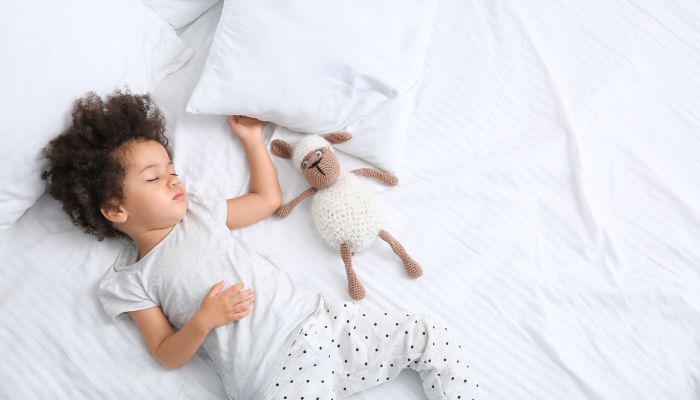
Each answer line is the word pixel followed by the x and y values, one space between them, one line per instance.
pixel 246 128
pixel 220 308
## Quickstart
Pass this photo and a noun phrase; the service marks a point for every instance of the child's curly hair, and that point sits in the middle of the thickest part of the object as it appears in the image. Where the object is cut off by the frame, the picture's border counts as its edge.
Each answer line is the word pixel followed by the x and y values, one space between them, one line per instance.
pixel 85 163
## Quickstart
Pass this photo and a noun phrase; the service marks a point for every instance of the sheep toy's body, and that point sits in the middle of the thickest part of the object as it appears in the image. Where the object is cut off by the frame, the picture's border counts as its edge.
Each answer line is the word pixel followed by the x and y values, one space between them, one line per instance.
pixel 345 214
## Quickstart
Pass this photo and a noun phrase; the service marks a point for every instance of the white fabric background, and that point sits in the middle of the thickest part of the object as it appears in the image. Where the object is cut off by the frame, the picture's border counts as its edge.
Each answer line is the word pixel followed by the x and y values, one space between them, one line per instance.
pixel 548 188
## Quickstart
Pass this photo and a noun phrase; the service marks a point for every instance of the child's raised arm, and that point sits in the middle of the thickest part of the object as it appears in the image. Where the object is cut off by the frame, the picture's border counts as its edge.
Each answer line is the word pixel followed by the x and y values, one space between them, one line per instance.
pixel 265 196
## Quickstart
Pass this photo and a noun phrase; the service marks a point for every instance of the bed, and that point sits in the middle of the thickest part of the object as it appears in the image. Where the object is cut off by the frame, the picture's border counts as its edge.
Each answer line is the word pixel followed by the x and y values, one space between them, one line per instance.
pixel 548 187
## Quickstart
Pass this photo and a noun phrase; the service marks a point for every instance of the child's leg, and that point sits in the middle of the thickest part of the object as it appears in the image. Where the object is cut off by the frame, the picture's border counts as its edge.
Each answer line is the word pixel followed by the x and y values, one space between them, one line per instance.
pixel 305 374
pixel 347 349
pixel 372 347
pixel 446 369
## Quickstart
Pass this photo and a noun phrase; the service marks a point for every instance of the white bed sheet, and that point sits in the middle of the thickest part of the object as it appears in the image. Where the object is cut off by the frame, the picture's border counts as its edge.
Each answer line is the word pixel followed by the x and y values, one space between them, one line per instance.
pixel 549 189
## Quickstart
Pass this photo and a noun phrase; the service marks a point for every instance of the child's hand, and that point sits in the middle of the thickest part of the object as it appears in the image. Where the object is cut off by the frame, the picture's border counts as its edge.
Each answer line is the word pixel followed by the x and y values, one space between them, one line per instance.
pixel 246 128
pixel 220 308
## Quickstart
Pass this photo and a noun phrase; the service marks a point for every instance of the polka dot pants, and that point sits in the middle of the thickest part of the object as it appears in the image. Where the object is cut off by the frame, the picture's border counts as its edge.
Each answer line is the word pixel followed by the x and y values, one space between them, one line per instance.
pixel 345 349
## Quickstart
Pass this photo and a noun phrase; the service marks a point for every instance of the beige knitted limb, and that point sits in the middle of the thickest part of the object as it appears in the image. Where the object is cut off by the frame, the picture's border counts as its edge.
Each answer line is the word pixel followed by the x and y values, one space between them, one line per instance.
pixel 355 288
pixel 385 177
pixel 413 269
pixel 284 210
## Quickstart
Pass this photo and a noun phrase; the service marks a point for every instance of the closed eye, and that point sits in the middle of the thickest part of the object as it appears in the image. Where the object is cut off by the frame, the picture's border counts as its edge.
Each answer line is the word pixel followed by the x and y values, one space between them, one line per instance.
pixel 155 179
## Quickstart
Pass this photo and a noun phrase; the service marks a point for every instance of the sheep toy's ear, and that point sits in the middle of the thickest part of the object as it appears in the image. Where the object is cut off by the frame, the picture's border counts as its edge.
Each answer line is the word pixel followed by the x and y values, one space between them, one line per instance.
pixel 280 148
pixel 337 137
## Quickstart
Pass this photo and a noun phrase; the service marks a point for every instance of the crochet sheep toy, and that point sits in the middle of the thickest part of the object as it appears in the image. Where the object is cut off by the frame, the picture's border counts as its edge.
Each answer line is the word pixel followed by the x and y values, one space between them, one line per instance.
pixel 345 214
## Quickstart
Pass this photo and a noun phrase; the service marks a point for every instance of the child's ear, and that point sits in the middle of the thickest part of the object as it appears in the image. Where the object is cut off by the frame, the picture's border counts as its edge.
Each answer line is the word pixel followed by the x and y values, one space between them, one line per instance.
pixel 337 137
pixel 280 148
pixel 115 214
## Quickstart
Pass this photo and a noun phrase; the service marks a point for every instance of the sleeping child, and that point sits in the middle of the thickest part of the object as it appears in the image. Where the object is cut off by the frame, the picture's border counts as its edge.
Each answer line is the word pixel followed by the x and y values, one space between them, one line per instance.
pixel 191 288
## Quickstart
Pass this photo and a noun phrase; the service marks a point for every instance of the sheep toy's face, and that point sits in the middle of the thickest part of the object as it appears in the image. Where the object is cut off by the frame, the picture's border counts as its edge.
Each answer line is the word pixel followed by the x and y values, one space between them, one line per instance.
pixel 313 155
pixel 320 167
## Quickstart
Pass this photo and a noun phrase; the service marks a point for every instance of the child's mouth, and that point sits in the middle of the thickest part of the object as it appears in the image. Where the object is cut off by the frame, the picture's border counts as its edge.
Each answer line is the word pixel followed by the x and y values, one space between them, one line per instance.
pixel 179 196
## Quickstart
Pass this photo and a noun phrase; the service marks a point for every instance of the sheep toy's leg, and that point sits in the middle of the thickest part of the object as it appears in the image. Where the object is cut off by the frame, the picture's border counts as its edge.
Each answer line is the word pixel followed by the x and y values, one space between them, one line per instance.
pixel 413 269
pixel 355 288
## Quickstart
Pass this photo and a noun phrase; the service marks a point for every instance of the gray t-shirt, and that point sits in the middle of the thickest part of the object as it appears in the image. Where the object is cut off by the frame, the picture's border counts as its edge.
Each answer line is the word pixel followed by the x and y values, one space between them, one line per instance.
pixel 181 269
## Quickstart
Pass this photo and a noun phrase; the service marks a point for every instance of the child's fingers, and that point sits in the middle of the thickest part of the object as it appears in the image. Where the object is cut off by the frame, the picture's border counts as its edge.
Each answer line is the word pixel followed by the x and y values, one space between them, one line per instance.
pixel 251 120
pixel 240 315
pixel 242 294
pixel 215 289
pixel 244 305
pixel 233 289
pixel 233 121
pixel 240 301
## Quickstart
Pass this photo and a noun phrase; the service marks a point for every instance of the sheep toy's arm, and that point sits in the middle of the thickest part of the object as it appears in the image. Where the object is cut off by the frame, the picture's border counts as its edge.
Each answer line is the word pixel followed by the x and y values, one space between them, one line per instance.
pixel 385 177
pixel 284 210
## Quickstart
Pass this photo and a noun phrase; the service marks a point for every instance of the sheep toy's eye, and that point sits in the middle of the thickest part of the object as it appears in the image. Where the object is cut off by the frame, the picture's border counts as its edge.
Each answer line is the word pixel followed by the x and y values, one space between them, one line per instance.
pixel 305 164
pixel 319 153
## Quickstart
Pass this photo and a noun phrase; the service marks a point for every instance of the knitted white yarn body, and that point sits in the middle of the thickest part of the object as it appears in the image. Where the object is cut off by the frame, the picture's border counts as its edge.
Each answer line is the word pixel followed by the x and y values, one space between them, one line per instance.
pixel 346 212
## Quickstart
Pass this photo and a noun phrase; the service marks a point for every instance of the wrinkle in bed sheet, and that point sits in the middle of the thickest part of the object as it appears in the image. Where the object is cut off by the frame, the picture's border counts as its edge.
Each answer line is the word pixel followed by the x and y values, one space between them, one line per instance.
pixel 549 190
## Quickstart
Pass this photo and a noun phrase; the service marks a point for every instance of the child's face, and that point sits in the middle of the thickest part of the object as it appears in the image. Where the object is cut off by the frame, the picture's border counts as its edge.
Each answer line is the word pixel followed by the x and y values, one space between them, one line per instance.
pixel 154 197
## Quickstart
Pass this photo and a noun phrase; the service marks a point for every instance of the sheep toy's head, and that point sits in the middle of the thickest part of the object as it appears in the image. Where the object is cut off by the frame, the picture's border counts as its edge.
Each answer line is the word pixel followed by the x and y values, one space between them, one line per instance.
pixel 314 156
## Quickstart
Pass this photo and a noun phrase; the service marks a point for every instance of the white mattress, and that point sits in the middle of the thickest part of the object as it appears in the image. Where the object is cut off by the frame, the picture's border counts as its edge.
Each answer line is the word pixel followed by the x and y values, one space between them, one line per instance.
pixel 549 190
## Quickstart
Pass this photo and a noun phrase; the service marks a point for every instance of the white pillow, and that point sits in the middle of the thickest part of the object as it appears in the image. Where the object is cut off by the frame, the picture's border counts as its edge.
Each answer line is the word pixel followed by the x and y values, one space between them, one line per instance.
pixel 319 66
pixel 179 13
pixel 55 52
